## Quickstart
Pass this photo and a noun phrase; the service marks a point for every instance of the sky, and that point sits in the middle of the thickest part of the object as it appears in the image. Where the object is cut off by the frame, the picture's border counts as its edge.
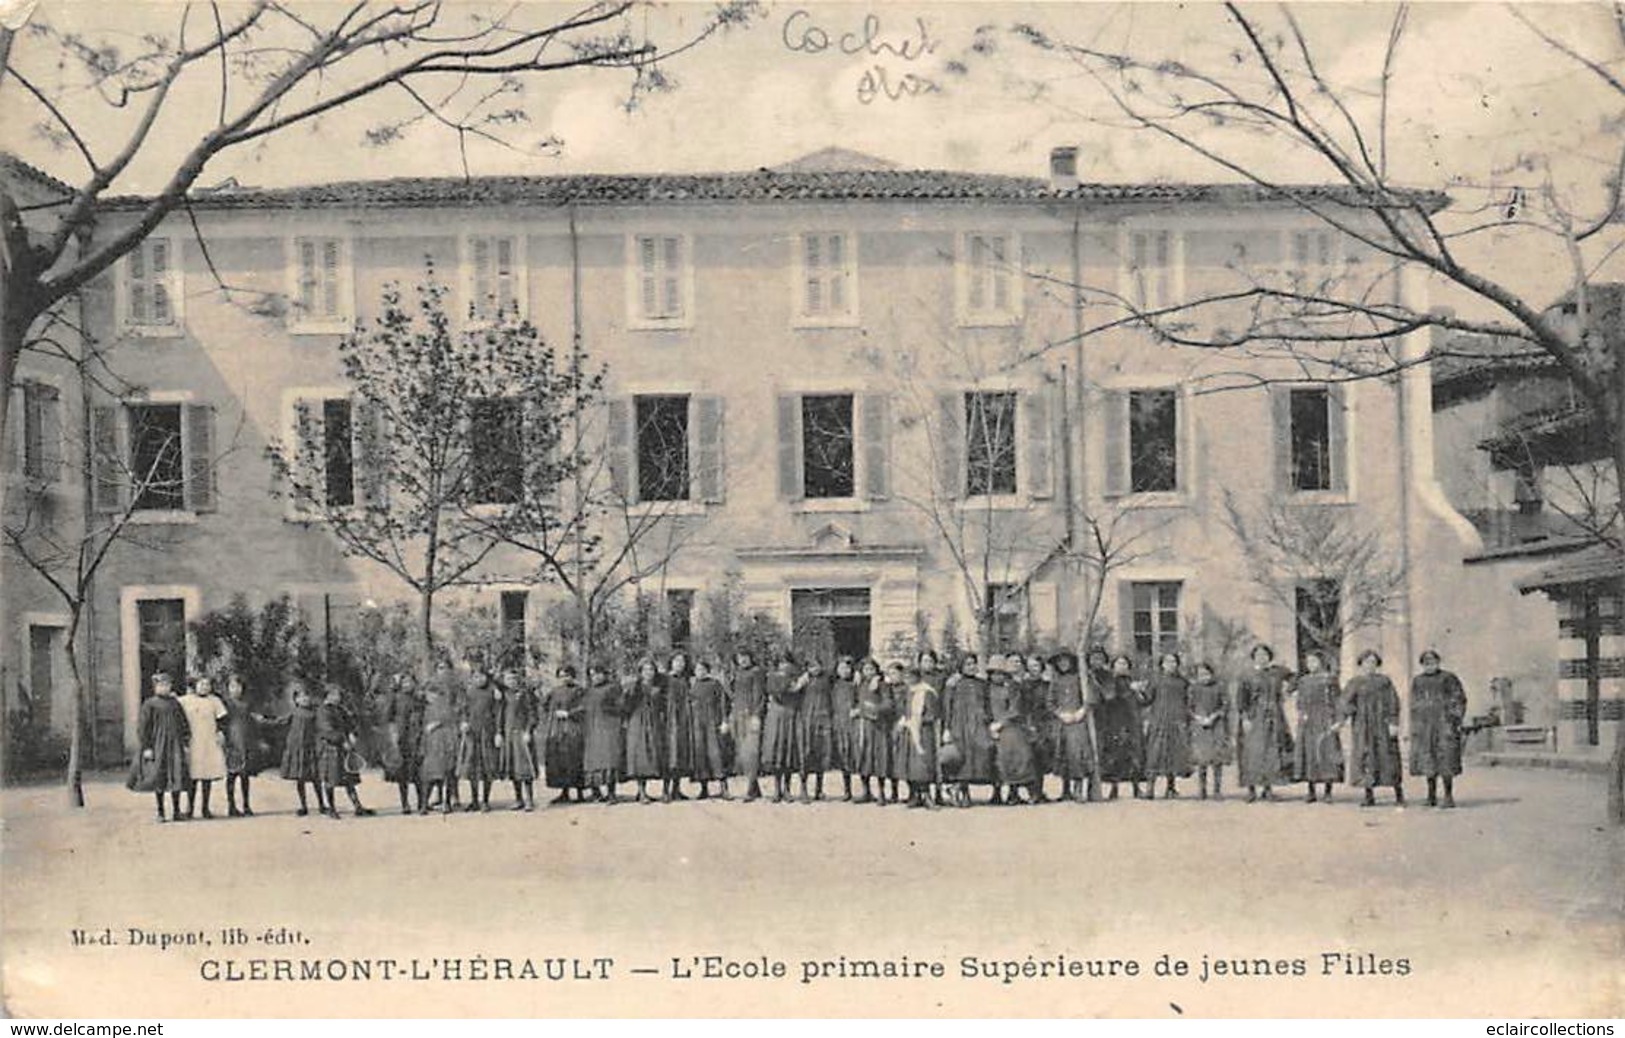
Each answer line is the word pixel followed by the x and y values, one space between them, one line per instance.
pixel 934 85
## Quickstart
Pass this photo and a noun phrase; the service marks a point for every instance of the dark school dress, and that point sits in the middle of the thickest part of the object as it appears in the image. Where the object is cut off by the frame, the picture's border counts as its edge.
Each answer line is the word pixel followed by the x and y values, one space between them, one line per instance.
pixel 565 744
pixel 920 710
pixel 1210 723
pixel 1371 702
pixel 679 727
pixel 517 754
pixel 245 749
pixel 897 692
pixel 708 708
pixel 478 758
pixel 437 760
pixel 1264 750
pixel 1168 734
pixel 403 717
pixel 1014 761
pixel 815 725
pixel 781 749
pixel 604 752
pixel 843 699
pixel 161 727
pixel 747 705
pixel 1038 697
pixel 1318 756
pixel 334 726
pixel 966 715
pixel 1438 703
pixel 299 762
pixel 646 728
pixel 1117 722
pixel 872 736
pixel 1074 745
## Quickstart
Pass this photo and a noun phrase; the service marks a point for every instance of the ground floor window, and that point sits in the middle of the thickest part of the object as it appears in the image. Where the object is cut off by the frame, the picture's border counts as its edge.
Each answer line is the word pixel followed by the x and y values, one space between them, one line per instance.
pixel 1319 627
pixel 1153 617
pixel 680 618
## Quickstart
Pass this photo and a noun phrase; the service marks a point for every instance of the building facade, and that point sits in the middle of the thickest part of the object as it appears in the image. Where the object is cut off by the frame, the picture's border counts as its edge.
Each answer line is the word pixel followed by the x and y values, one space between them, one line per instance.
pixel 874 396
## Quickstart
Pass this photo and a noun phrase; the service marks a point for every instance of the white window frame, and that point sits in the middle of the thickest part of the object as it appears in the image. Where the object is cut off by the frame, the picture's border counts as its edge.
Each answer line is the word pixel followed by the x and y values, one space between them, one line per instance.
pixel 1185 444
pixel 1000 502
pixel 1128 281
pixel 636 320
pixel 291 399
pixel 300 323
pixel 1351 448
pixel 857 502
pixel 803 316
pixel 130 641
pixel 174 284
pixel 158 398
pixel 521 278
pixel 1190 597
pixel 692 505
pixel 965 273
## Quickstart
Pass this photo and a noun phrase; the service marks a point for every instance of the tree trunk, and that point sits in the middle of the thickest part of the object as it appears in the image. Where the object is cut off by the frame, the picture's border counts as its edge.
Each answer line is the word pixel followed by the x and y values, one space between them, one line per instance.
pixel 426 625
pixel 1616 777
pixel 76 718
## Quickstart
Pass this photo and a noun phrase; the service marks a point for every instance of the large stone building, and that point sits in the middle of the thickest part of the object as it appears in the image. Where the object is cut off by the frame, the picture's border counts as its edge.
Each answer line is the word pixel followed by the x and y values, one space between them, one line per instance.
pixel 883 394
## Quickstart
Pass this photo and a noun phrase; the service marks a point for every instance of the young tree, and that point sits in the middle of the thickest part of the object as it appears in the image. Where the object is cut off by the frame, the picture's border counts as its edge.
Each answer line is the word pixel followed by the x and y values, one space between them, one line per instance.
pixel 455 432
pixel 227 77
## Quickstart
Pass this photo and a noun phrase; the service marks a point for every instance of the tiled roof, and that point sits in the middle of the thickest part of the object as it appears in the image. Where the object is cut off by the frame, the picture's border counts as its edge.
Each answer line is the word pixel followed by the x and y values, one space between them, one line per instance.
pixel 1465 365
pixel 762 185
pixel 1600 563
pixel 12 166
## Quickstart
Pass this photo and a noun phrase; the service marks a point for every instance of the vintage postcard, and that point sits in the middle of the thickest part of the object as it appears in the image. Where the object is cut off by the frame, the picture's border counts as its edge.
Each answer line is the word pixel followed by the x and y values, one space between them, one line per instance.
pixel 735 509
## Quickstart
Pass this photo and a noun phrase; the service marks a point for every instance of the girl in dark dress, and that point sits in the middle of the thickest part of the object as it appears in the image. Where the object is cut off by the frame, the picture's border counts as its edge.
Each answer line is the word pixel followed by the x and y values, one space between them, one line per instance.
pixel 747 706
pixel 403 721
pixel 679 727
pixel 966 718
pixel 336 735
pixel 564 744
pixel 781 752
pixel 1074 741
pixel 1371 703
pixel 1210 730
pixel 244 755
pixel 1264 741
pixel 932 674
pixel 299 764
pixel 1319 706
pixel 843 702
pixel 163 732
pixel 645 710
pixel 1122 744
pixel 897 695
pixel 920 715
pixel 516 737
pixel 708 717
pixel 1438 703
pixel 437 760
pixel 1016 765
pixel 872 731
pixel 815 729
pixel 1039 700
pixel 479 761
pixel 604 752
pixel 1167 743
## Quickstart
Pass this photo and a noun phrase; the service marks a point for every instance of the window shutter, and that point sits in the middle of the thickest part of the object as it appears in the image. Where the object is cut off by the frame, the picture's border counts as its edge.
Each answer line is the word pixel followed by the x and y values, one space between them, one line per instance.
pixel 330 278
pixel 646 277
pixel 108 486
pixel 875 435
pixel 1281 431
pixel 708 417
pixel 507 273
pixel 480 277
pixel 789 429
pixel 837 274
pixel 199 489
pixel 1115 441
pixel 672 299
pixel 14 431
pixel 1337 436
pixel 371 453
pixel 951 444
pixel 33 441
pixel 1043 610
pixel 1184 456
pixel 50 426
pixel 620 449
pixel 1125 618
pixel 977 273
pixel 1040 432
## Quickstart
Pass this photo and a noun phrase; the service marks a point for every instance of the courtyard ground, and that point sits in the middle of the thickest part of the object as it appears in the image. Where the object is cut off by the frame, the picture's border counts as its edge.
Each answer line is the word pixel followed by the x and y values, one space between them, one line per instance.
pixel 1512 905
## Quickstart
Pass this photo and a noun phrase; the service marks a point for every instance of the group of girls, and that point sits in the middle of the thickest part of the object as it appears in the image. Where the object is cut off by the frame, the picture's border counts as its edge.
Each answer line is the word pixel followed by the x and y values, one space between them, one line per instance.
pixel 901 733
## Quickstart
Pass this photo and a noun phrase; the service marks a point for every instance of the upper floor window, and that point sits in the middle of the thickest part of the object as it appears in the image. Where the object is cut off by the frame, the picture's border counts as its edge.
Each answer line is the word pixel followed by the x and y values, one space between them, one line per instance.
pixel 665 447
pixel 496 451
pixel 34 439
pixel 1311 438
pixel 989 285
pixel 1152 269
pixel 834 446
pixel 661 280
pixel 990 443
pixel 662 448
pixel 828 440
pixel 153 457
pixel 1314 257
pixel 1153 441
pixel 495 278
pixel 321 285
pixel 826 286
pixel 150 289
pixel 994 443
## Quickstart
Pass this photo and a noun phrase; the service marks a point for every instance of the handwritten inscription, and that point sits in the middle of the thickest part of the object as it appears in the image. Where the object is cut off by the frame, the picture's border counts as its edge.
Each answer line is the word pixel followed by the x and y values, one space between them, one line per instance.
pixel 882 80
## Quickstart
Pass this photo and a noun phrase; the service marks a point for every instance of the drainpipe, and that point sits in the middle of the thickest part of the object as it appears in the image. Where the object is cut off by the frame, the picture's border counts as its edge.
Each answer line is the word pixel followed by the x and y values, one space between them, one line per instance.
pixel 1072 404
pixel 1404 420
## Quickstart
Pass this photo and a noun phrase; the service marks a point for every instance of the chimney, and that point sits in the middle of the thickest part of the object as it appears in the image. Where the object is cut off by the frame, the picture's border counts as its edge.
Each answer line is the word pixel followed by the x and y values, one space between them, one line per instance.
pixel 1063 168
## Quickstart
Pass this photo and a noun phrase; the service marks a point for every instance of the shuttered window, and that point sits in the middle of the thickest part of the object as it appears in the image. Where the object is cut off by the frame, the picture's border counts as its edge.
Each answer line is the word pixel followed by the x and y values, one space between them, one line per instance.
pixel 989 285
pixel 321 279
pixel 661 279
pixel 828 274
pixel 151 288
pixel 494 278
pixel 1151 270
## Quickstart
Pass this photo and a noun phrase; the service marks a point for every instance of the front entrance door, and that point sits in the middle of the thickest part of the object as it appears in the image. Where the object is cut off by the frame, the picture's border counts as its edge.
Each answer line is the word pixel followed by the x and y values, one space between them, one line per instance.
pixel 162 646
pixel 830 622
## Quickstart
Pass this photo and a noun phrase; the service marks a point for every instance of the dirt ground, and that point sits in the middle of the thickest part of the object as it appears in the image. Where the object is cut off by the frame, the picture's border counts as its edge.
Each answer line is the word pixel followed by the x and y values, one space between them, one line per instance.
pixel 1512 905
